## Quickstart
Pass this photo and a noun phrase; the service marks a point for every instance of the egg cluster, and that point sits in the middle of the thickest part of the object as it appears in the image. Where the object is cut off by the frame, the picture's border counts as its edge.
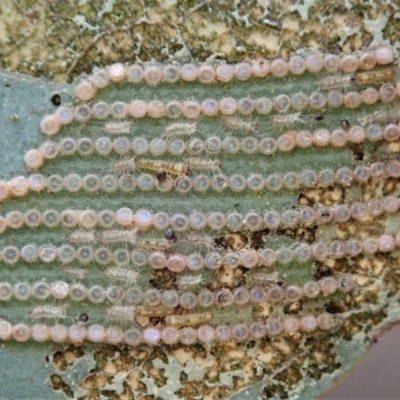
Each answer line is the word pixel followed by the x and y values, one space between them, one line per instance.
pixel 189 215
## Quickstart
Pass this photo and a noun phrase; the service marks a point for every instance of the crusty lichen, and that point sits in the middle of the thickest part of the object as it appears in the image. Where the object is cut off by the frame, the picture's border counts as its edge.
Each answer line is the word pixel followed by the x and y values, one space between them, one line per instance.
pixel 61 40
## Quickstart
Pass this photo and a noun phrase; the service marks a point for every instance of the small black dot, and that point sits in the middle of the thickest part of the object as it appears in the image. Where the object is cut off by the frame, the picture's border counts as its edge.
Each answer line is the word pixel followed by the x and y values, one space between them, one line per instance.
pixel 169 234
pixel 55 99
pixel 345 123
pixel 83 317
pixel 322 271
pixel 319 117
pixel 161 175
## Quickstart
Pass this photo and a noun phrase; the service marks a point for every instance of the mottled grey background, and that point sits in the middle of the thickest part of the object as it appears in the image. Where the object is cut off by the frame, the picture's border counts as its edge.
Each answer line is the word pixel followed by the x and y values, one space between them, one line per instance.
pixel 377 376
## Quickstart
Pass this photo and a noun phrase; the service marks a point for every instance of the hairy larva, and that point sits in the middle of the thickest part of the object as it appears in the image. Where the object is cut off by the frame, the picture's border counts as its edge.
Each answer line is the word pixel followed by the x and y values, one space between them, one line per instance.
pixel 374 76
pixel 381 116
pixel 189 281
pixel 188 319
pixel 174 168
pixel 124 165
pixel 116 128
pixel 239 125
pixel 117 236
pixel 199 240
pixel 42 312
pixel 77 273
pixel 263 278
pixel 157 244
pixel 121 313
pixel 335 82
pixel 147 312
pixel 180 129
pixel 199 164
pixel 81 236
pixel 121 274
pixel 288 119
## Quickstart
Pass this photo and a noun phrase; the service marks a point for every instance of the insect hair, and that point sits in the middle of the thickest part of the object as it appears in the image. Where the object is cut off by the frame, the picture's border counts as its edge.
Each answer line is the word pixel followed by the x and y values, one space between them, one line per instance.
pixel 262 278
pixel 147 312
pixel 121 313
pixel 155 244
pixel 200 164
pixel 174 168
pixel 117 236
pixel 121 274
pixel 116 128
pixel 81 236
pixel 49 312
pixel 335 82
pixel 201 241
pixel 194 319
pixel 236 124
pixel 386 116
pixel 180 129
pixel 194 280
pixel 77 273
pixel 126 165
pixel 378 75
pixel 282 120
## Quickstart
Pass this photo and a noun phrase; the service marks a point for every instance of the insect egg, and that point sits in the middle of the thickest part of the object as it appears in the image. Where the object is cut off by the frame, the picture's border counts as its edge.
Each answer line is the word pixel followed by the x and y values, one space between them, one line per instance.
pixel 78 292
pixel 170 335
pixel 116 72
pixel 34 160
pixel 14 219
pixel 308 323
pixel 50 124
pixel 96 294
pixel 21 332
pixel 279 68
pixel 82 113
pixel 291 324
pixel 40 333
pixel 96 333
pixel 100 78
pixel 325 321
pixel 85 91
pixel 132 337
pixel 224 298
pixel 135 73
pixel 297 65
pixel 101 110
pixel 188 300
pixel 137 109
pixel 273 326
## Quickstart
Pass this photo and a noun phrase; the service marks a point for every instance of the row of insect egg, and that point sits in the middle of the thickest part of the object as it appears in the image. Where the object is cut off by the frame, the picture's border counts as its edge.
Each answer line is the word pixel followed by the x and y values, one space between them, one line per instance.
pixel 296 65
pixel 212 260
pixel 77 333
pixel 198 221
pixel 261 289
pixel 35 158
pixel 21 186
pixel 191 110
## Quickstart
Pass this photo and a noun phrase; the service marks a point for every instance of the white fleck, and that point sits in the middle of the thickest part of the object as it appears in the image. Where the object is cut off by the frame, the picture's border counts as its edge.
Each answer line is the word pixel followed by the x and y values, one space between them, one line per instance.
pixel 107 8
pixel 302 8
pixel 376 27
pixel 264 3
pixel 80 19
